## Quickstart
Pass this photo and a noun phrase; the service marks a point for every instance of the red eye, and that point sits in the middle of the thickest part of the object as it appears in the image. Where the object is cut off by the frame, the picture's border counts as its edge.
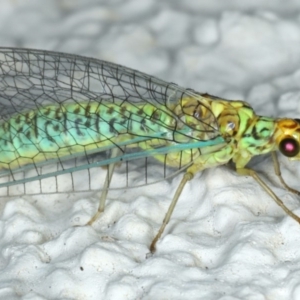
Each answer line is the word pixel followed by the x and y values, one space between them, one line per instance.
pixel 289 147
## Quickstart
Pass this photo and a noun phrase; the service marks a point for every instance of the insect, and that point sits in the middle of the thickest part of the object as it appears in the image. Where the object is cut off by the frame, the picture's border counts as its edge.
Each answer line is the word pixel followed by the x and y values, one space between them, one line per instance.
pixel 62 114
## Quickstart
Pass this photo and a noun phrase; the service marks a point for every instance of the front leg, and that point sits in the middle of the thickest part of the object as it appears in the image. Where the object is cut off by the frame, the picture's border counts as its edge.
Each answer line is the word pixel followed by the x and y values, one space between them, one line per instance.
pixel 253 174
pixel 278 173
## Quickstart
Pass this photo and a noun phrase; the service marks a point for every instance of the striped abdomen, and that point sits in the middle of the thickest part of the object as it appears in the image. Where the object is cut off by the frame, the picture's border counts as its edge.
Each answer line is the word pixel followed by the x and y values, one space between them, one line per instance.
pixel 57 131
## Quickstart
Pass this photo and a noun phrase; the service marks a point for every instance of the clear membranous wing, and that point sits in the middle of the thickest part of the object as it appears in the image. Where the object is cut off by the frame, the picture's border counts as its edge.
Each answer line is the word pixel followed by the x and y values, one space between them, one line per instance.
pixel 64 114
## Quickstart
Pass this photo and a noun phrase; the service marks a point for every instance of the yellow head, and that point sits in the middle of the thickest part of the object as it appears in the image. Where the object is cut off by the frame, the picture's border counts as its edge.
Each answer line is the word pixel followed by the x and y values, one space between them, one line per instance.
pixel 287 138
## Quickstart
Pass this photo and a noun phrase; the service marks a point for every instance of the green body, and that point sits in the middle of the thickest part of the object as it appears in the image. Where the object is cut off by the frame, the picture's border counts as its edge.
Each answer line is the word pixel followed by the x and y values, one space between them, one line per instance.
pixel 58 131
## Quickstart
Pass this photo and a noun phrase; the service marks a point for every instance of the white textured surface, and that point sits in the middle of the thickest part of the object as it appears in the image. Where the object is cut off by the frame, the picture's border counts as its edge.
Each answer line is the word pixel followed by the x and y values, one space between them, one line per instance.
pixel 227 239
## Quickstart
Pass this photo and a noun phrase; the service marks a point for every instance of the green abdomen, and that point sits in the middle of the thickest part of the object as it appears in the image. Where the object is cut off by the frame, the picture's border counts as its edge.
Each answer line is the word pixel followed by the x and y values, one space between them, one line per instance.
pixel 57 131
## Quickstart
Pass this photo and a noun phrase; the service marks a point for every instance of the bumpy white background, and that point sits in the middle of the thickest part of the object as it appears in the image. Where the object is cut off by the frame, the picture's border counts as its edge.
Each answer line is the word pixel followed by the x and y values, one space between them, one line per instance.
pixel 227 239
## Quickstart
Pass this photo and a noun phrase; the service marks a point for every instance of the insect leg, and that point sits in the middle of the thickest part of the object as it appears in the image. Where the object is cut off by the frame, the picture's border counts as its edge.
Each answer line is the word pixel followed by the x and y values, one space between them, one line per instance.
pixel 278 173
pixel 252 173
pixel 187 176
pixel 209 160
pixel 110 170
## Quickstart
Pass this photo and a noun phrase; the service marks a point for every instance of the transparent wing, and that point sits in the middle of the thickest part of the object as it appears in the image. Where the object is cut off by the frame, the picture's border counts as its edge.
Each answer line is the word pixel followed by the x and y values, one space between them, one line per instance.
pixel 73 95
